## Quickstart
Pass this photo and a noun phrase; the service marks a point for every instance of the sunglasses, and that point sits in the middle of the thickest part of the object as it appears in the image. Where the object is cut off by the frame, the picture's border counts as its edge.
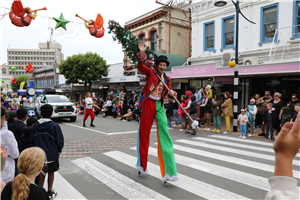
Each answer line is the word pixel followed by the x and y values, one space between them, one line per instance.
pixel 294 98
pixel 267 94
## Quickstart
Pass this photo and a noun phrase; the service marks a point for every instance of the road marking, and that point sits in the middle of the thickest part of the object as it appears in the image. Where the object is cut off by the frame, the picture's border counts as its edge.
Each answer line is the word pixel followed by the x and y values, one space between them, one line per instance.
pixel 64 189
pixel 126 187
pixel 230 159
pixel 241 141
pixel 233 150
pixel 189 184
pixel 235 175
pixel 116 133
pixel 222 142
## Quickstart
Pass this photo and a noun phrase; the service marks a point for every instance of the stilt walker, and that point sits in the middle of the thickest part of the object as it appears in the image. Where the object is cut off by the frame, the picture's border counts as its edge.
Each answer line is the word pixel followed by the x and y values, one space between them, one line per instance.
pixel 153 109
pixel 88 109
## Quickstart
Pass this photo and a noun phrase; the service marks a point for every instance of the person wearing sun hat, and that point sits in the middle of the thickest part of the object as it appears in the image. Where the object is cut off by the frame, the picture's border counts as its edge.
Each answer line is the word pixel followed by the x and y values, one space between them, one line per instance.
pixel 251 111
pixel 243 119
pixel 152 109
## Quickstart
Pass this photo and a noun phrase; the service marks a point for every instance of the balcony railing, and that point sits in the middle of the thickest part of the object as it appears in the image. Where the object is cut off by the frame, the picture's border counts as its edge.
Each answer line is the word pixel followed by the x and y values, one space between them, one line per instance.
pixel 287 41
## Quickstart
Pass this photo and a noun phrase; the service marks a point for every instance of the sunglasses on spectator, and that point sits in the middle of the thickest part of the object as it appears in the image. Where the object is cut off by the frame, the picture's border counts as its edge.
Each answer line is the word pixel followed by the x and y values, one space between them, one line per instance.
pixel 294 98
pixel 267 94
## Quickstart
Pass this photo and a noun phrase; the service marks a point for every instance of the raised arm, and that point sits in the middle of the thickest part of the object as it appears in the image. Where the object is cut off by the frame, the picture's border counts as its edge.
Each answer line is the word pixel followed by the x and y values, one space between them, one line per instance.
pixel 141 57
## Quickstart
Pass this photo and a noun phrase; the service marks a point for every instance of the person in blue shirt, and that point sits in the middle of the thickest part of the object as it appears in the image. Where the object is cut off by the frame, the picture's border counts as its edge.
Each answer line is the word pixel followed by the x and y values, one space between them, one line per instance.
pixel 5 103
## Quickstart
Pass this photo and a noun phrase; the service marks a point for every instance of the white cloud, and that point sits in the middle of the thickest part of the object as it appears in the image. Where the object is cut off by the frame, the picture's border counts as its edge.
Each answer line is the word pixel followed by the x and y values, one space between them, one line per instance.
pixel 29 37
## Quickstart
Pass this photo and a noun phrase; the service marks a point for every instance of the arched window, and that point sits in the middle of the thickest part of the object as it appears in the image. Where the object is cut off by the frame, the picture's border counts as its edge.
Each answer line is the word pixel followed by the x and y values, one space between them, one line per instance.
pixel 154 41
pixel 142 37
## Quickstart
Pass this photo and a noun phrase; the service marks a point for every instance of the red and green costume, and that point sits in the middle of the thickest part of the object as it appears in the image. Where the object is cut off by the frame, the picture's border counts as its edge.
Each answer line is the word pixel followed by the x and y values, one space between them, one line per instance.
pixel 153 109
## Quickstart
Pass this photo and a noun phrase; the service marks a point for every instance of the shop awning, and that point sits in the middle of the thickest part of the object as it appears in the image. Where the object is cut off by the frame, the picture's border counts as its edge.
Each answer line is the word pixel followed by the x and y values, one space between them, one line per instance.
pixel 175 60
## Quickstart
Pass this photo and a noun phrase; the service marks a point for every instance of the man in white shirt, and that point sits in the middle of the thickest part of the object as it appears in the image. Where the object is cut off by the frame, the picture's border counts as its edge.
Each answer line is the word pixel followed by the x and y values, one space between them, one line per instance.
pixel 88 109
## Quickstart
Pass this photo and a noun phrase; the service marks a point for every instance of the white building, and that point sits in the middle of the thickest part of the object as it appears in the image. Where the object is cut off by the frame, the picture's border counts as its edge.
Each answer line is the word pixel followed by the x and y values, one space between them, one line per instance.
pixel 46 55
pixel 268 50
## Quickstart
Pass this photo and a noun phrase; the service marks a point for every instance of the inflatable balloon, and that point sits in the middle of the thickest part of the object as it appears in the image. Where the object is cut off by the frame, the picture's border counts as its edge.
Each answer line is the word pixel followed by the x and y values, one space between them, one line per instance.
pixel 28 68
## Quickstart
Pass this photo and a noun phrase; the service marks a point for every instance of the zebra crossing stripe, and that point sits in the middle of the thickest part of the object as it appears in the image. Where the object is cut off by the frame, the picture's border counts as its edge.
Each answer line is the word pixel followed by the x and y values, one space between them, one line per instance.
pixel 64 189
pixel 235 175
pixel 233 150
pixel 241 141
pixel 233 160
pixel 246 146
pixel 189 184
pixel 126 187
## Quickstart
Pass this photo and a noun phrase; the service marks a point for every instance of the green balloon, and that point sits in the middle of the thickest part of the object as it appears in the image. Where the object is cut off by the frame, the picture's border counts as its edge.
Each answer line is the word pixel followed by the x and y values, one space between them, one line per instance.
pixel 135 63
pixel 109 32
pixel 124 37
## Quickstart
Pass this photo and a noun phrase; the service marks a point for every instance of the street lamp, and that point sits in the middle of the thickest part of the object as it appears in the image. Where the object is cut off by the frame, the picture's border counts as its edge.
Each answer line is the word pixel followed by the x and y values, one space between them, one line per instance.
pixel 220 3
pixel 236 68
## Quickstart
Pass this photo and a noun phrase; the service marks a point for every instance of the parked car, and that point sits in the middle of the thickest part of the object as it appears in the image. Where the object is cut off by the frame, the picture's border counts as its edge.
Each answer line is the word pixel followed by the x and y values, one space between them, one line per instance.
pixel 62 106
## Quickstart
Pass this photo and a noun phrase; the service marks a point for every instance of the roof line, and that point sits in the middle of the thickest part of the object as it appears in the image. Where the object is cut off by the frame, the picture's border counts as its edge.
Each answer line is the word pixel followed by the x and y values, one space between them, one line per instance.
pixel 144 14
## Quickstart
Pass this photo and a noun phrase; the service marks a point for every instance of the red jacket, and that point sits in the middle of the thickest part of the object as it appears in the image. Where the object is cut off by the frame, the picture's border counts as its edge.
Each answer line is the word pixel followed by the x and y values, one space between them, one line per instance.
pixel 152 80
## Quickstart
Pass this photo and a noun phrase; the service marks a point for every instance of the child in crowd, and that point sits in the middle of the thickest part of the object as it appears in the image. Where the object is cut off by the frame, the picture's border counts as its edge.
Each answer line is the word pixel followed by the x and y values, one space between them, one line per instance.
pixel 30 165
pixel 193 113
pixel 286 116
pixel 243 119
pixel 297 109
pixel 15 107
pixel 121 110
pixel 47 135
pixel 208 95
pixel 136 112
pixel 118 110
pixel 115 111
pixel 187 108
pixel 25 137
pixel 283 185
pixel 181 112
pixel 269 120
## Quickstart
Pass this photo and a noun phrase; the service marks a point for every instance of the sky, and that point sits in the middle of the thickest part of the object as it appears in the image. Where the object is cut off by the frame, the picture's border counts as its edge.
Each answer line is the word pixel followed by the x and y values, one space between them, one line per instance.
pixel 29 37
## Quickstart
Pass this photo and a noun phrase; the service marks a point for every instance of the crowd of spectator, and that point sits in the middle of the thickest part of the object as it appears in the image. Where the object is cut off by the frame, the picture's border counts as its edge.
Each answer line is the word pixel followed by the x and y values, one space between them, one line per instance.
pixel 42 137
pixel 267 112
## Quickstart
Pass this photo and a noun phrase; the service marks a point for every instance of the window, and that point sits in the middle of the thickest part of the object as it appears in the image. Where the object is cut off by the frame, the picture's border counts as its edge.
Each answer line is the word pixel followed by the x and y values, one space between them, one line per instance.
pixel 142 37
pixel 209 36
pixel 34 53
pixel 19 53
pixel 25 53
pixel 43 53
pixel 296 20
pixel 154 41
pixel 22 53
pixel 43 58
pixel 228 32
pixel 31 53
pixel 53 53
pixel 12 52
pixel 268 23
pixel 3 70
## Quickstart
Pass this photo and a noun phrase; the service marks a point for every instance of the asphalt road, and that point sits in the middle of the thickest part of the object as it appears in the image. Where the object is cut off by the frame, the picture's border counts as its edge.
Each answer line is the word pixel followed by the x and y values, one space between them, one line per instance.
pixel 99 163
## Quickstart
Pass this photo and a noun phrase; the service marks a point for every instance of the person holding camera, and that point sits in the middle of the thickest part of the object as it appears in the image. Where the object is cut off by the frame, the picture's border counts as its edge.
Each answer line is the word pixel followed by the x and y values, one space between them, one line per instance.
pixel 261 104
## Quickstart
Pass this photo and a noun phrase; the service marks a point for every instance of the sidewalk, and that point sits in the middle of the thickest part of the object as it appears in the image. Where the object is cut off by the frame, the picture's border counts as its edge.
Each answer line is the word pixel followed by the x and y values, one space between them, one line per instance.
pixel 223 128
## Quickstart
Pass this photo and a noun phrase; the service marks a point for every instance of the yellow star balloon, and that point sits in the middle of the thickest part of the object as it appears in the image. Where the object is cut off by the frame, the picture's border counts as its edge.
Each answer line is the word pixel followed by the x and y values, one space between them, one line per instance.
pixel 13 68
pixel 61 22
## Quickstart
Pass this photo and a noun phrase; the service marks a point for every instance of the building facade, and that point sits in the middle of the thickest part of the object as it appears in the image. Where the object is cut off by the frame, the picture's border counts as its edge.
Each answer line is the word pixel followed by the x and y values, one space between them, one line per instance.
pixel 268 50
pixel 164 30
pixel 47 78
pixel 46 55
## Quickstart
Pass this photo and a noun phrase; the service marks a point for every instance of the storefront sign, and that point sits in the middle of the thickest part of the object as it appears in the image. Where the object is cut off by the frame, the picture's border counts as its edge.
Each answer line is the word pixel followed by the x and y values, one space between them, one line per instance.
pixel 221 79
pixel 210 70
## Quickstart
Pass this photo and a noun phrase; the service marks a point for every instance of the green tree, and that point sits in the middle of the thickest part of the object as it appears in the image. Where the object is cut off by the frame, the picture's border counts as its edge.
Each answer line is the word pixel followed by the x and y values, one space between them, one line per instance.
pixel 83 69
pixel 20 79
